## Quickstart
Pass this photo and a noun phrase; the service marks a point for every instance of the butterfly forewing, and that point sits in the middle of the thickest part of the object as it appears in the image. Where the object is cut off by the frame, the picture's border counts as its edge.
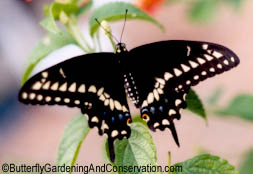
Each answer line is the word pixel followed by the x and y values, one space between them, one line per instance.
pixel 165 71
pixel 90 83
pixel 184 63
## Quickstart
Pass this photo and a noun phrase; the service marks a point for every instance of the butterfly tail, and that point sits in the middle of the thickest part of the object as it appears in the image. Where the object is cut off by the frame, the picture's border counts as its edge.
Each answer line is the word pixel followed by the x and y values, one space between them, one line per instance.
pixel 174 133
pixel 111 150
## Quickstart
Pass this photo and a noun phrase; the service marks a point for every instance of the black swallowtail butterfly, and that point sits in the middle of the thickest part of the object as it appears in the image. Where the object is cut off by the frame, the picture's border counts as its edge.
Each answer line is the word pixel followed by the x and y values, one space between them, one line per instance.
pixel 156 77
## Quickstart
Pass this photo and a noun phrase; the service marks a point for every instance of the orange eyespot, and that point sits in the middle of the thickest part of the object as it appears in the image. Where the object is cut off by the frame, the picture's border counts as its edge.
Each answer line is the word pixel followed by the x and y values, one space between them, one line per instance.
pixel 129 120
pixel 145 117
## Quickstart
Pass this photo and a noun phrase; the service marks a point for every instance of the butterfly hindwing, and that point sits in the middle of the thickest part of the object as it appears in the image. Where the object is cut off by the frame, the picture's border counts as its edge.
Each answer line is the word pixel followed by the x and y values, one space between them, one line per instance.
pixel 164 72
pixel 90 83
pixel 160 110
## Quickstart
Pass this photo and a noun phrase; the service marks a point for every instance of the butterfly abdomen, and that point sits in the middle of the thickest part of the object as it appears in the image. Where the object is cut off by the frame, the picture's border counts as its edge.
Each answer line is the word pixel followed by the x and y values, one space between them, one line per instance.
pixel 131 88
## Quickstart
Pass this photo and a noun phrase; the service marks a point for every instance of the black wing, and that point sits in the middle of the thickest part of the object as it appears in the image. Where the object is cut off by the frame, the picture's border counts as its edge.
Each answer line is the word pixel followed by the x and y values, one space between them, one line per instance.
pixel 164 72
pixel 94 83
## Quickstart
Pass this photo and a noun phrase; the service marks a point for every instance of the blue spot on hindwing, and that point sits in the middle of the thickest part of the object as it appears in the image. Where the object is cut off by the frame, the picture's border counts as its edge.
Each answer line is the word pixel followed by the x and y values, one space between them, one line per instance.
pixel 161 108
pixel 120 116
pixel 152 109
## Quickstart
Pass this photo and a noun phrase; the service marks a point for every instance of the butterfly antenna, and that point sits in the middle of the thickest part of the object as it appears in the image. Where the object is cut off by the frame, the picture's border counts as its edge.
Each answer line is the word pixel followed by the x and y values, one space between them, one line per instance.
pixel 123 25
pixel 107 31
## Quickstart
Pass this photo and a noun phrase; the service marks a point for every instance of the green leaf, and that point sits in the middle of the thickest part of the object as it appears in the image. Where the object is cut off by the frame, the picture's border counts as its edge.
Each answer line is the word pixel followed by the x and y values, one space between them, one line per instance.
pixel 49 22
pixel 69 8
pixel 206 164
pixel 246 167
pixel 72 140
pixel 138 150
pixel 53 13
pixel 203 10
pixel 241 105
pixel 49 44
pixel 116 11
pixel 55 8
pixel 138 119
pixel 194 104
pixel 107 153
pixel 83 9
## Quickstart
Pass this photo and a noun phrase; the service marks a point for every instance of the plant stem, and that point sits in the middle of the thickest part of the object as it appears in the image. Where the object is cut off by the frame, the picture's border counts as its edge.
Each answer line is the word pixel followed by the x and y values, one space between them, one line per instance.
pixel 75 31
pixel 169 161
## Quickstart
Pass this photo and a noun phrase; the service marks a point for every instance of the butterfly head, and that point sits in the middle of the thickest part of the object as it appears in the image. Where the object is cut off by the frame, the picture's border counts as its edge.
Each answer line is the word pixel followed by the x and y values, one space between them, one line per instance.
pixel 121 48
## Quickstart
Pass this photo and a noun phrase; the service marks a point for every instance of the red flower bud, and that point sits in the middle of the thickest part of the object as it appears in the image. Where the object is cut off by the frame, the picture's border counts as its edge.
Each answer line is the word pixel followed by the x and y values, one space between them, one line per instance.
pixel 149 6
